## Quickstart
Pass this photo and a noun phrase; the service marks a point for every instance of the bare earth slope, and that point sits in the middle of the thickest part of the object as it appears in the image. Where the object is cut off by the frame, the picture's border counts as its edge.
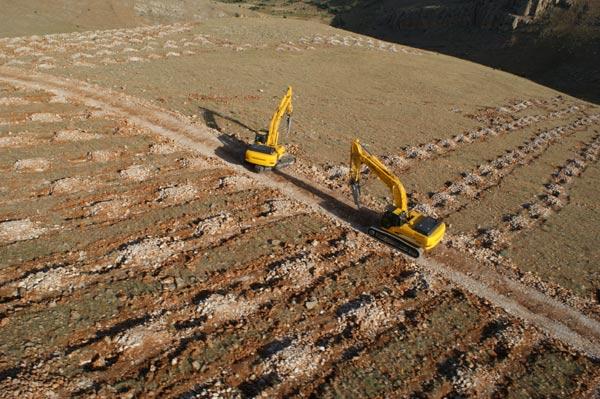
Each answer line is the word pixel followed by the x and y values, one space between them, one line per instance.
pixel 144 332
pixel 34 17
pixel 138 257
pixel 474 145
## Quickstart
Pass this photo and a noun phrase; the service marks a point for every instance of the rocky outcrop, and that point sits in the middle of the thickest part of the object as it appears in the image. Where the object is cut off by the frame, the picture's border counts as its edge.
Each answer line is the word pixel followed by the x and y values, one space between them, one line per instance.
pixel 486 14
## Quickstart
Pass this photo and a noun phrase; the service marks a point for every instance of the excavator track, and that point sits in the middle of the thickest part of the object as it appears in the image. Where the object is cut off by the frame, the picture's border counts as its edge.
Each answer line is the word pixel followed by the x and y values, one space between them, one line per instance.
pixel 395 242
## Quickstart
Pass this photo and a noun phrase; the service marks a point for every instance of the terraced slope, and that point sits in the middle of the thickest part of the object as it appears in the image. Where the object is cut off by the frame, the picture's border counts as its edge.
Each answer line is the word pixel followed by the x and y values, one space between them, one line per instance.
pixel 153 269
pixel 139 258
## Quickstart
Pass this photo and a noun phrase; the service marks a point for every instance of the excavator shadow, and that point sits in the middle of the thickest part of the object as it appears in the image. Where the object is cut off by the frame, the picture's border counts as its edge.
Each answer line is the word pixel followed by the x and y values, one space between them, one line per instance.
pixel 211 120
pixel 358 219
pixel 232 149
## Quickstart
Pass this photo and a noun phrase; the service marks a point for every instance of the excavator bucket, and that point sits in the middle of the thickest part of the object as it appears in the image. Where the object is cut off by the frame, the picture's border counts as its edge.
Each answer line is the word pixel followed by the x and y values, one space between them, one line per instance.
pixel 355 187
pixel 289 124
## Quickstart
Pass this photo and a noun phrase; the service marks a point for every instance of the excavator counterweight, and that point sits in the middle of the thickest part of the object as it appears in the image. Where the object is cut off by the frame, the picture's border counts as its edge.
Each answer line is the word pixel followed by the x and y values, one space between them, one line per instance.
pixel 409 231
pixel 266 152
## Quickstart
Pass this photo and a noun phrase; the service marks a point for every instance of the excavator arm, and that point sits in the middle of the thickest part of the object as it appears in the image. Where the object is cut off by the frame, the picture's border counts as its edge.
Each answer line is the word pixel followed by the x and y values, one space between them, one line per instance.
pixel 285 108
pixel 359 156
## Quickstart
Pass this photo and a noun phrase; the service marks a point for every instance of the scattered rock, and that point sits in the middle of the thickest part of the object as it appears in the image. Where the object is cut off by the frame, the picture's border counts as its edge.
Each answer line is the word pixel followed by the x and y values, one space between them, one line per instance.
pixel 212 224
pixel 19 230
pixel 493 239
pixel 137 173
pixel 164 148
pixel 538 211
pixel 441 199
pixel 426 209
pixel 238 181
pixel 32 164
pixel 110 209
pixel 45 117
pixel 75 135
pixel 154 331
pixel 71 184
pixel 58 99
pixel 15 141
pixel 295 360
pixel 150 252
pixel 518 222
pixel 13 101
pixel 473 179
pixel 102 155
pixel 338 172
pixel 276 207
pixel 226 307
pixel 177 194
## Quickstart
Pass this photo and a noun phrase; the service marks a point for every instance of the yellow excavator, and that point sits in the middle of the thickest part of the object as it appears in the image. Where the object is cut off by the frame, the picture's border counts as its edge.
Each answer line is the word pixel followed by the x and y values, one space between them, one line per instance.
pixel 266 152
pixel 409 231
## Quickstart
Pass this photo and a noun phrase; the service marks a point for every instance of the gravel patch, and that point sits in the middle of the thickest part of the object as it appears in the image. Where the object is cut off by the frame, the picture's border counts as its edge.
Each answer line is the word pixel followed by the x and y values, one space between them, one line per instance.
pixel 32 164
pixel 137 173
pixel 75 135
pixel 45 117
pixel 177 194
pixel 71 184
pixel 19 230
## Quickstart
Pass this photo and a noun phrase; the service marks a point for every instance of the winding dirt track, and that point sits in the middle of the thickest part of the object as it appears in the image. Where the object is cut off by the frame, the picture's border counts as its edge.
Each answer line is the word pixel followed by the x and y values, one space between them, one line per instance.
pixel 549 315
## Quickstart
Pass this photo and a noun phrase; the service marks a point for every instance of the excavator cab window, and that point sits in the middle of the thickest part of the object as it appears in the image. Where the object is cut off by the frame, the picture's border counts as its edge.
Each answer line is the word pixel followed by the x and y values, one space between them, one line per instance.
pixel 260 138
pixel 391 219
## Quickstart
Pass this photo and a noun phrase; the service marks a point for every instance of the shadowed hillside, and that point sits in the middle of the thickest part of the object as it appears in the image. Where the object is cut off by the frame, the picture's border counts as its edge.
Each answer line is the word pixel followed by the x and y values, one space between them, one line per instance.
pixel 554 43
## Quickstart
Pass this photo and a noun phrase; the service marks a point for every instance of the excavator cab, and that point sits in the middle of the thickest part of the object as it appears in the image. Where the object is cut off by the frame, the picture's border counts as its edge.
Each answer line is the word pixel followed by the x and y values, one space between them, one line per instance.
pixel 393 218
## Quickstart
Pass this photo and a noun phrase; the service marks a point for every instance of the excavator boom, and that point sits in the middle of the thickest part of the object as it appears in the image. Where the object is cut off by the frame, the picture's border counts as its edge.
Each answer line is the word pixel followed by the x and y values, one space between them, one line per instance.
pixel 285 107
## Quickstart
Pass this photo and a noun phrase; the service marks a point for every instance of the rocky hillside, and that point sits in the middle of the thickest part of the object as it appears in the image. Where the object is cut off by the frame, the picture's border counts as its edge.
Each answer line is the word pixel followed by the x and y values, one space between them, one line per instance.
pixel 486 14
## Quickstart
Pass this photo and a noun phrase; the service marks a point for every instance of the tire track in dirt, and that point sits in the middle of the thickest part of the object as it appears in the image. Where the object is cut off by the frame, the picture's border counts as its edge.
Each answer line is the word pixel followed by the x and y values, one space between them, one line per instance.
pixel 562 322
pixel 187 235
pixel 471 377
pixel 163 192
pixel 424 358
pixel 373 332
pixel 297 354
pixel 95 265
pixel 356 330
